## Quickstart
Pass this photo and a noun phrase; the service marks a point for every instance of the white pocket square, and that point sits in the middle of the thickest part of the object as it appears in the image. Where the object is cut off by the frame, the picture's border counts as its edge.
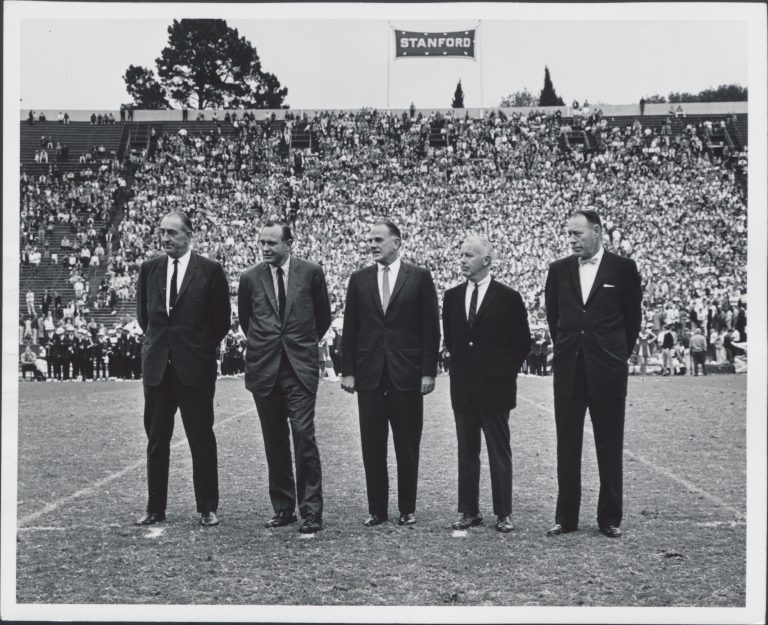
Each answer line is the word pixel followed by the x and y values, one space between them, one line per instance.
pixel 609 286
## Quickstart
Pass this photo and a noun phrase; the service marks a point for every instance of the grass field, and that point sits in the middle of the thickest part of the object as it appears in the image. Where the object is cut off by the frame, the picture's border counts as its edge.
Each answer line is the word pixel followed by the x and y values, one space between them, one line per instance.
pixel 81 483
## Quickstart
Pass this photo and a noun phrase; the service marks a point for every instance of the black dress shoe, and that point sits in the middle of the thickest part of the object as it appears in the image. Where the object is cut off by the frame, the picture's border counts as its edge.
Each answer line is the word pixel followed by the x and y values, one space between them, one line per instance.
pixel 150 518
pixel 281 518
pixel 611 531
pixel 466 521
pixel 407 519
pixel 312 523
pixel 558 529
pixel 504 524
pixel 209 519
pixel 375 519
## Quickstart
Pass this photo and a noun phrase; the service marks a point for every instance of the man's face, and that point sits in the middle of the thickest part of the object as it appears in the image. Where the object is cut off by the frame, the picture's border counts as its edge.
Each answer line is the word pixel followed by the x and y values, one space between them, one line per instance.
pixel 173 236
pixel 583 236
pixel 384 245
pixel 274 250
pixel 474 261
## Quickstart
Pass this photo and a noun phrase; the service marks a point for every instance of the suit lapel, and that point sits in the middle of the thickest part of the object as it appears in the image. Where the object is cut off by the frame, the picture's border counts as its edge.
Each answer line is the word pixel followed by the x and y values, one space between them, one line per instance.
pixel 269 287
pixel 489 295
pixel 461 302
pixel 602 269
pixel 573 270
pixel 402 276
pixel 371 280
pixel 188 276
pixel 295 270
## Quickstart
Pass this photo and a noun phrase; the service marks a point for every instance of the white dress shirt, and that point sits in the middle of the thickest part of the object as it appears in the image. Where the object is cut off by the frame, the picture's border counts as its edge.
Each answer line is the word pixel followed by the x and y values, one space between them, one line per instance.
pixel 482 287
pixel 394 269
pixel 183 264
pixel 587 273
pixel 286 267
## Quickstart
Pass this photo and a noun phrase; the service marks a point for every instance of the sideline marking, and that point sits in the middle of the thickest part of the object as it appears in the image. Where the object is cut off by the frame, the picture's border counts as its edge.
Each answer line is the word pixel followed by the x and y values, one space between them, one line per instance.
pixel 459 534
pixel 661 470
pixel 306 536
pixel 154 532
pixel 54 505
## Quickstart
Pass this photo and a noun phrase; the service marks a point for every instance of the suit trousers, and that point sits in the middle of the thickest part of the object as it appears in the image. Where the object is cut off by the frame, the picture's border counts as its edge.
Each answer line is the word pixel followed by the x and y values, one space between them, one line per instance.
pixel 196 406
pixel 291 402
pixel 608 425
pixel 404 410
pixel 470 420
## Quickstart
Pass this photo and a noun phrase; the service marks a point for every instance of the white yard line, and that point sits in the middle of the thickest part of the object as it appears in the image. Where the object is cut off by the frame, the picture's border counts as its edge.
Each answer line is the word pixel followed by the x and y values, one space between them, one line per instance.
pixel 658 469
pixel 88 490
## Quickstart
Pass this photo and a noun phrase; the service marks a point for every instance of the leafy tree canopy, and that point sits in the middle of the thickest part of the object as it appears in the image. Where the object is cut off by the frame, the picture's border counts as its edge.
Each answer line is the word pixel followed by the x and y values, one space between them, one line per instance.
pixel 548 96
pixel 519 98
pixel 458 97
pixel 206 64
pixel 723 93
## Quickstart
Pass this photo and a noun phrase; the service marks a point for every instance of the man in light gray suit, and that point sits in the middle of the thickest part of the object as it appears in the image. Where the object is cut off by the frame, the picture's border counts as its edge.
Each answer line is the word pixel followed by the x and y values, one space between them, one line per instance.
pixel 284 310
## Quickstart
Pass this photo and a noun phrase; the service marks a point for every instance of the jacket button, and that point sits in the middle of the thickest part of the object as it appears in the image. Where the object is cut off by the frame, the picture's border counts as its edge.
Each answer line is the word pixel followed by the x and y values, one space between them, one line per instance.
pixel 471 344
pixel 582 331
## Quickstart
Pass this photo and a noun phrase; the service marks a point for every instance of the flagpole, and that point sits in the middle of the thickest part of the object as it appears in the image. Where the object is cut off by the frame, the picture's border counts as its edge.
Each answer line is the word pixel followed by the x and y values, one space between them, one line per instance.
pixel 389 60
pixel 482 95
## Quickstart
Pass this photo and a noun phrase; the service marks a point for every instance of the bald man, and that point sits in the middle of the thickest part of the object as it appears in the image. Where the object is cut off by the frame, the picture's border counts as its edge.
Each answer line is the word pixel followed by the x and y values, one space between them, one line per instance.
pixel 485 327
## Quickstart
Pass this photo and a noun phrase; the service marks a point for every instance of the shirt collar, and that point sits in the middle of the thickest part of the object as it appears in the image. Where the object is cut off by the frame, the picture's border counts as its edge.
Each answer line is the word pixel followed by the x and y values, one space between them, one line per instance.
pixel 481 283
pixel 394 266
pixel 597 255
pixel 183 260
pixel 285 266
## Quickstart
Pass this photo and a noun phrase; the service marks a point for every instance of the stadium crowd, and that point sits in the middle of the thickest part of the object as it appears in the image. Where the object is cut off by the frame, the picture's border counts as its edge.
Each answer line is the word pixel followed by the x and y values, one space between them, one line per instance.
pixel 679 212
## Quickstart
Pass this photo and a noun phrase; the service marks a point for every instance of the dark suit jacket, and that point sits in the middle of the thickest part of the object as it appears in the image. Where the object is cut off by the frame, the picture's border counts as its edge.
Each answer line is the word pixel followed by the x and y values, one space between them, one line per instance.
pixel 486 358
pixel 198 323
pixel 408 336
pixel 604 328
pixel 307 319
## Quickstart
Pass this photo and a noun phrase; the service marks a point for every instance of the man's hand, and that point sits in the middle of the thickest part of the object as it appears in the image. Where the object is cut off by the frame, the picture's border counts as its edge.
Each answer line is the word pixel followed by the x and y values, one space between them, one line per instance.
pixel 427 384
pixel 348 383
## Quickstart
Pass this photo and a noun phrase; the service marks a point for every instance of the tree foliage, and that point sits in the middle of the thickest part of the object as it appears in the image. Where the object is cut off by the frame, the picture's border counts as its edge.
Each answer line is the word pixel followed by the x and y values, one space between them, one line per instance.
pixel 143 87
pixel 723 93
pixel 207 64
pixel 458 97
pixel 655 99
pixel 548 96
pixel 519 98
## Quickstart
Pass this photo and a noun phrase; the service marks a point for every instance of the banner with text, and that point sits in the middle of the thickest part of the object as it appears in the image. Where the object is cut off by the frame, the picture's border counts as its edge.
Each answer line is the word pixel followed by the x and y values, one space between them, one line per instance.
pixel 410 44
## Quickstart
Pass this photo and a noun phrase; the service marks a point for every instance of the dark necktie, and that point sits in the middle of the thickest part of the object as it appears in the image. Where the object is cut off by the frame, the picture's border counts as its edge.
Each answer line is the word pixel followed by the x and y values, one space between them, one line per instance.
pixel 280 293
pixel 473 306
pixel 174 288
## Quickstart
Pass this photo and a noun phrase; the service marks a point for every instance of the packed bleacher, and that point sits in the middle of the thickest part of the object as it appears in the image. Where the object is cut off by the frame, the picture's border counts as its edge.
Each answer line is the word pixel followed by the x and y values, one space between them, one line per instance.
pixel 670 192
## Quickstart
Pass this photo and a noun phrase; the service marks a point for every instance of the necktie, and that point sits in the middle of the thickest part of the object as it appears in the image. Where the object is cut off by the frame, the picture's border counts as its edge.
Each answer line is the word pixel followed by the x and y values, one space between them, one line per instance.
pixel 385 288
pixel 174 288
pixel 473 306
pixel 280 293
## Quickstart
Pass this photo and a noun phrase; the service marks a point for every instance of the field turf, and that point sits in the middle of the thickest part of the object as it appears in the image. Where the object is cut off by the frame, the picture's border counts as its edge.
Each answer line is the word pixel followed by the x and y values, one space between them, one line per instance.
pixel 81 484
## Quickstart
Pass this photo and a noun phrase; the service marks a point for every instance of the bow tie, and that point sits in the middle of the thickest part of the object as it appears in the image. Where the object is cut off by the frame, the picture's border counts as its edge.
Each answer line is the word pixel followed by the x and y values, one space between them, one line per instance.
pixel 588 261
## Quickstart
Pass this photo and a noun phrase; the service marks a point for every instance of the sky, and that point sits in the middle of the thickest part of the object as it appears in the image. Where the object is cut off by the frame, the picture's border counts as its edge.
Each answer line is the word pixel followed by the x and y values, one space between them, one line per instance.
pixel 342 57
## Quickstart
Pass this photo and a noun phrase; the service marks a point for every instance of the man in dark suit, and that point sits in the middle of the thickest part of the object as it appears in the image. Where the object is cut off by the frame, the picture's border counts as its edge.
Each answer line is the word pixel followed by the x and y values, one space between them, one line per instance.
pixel 389 347
pixel 182 303
pixel 593 302
pixel 284 311
pixel 485 328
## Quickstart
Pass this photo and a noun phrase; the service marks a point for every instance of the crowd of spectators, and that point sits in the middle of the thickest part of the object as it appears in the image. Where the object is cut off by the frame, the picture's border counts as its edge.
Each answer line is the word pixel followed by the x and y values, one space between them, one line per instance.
pixel 666 201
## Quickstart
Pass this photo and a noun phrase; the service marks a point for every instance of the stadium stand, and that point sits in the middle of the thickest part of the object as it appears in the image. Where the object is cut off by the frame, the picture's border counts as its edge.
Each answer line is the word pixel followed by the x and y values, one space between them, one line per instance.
pixel 671 191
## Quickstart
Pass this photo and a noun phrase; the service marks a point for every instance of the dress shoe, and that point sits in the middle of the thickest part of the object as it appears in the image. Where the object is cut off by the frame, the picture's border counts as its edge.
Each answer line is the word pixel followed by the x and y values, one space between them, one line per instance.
pixel 281 518
pixel 611 531
pixel 375 519
pixel 311 524
pixel 209 519
pixel 407 519
pixel 466 521
pixel 504 524
pixel 150 518
pixel 558 529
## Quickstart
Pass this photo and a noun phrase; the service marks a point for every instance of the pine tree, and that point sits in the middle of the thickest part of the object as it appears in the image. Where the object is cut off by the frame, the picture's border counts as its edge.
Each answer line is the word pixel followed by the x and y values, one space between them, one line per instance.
pixel 458 97
pixel 548 95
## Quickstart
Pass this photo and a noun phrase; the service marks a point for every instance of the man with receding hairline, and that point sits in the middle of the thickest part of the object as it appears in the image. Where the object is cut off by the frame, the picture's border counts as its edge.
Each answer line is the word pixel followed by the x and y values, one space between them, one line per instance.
pixel 389 348
pixel 284 311
pixel 182 303
pixel 593 300
pixel 485 328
